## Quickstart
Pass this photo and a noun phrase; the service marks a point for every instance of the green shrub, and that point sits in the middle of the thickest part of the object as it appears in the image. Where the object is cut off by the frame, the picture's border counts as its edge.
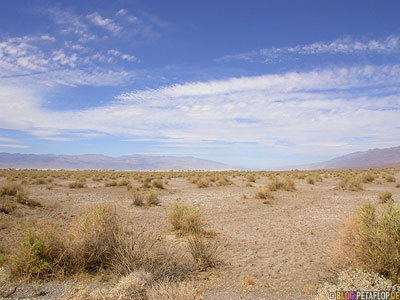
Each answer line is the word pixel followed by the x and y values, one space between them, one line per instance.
pixel 372 242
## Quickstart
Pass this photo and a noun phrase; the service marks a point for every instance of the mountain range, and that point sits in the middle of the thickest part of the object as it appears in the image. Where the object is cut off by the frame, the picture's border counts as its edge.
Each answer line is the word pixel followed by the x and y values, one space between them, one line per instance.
pixel 102 162
pixel 374 158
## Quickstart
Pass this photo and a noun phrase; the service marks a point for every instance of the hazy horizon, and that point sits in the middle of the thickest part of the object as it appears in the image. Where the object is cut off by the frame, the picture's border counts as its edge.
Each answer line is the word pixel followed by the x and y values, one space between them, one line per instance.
pixel 245 83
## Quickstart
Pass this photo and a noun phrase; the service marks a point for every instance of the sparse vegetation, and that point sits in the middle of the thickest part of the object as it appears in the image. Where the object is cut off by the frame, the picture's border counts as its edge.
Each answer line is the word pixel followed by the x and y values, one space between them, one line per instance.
pixel 350 183
pixel 385 197
pixel 369 241
pixel 186 219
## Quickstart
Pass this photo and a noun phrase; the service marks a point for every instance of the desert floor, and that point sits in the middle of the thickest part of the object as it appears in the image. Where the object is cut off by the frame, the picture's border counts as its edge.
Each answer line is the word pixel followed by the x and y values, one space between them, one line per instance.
pixel 280 248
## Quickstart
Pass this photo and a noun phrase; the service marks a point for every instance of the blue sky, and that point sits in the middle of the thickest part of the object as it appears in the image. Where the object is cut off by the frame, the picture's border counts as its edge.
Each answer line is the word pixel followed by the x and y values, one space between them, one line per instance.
pixel 250 83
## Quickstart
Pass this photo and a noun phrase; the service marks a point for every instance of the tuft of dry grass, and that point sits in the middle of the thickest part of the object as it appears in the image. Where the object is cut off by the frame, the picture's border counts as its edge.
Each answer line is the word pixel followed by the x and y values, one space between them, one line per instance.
pixel 137 199
pixel 385 197
pixel 186 219
pixel 350 183
pixel 158 184
pixel 204 251
pixel 152 199
pixel 203 183
pixel 287 185
pixel 170 290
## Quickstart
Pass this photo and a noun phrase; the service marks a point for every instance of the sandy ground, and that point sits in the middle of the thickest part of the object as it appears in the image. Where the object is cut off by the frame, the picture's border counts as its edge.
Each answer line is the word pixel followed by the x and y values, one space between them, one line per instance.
pixel 284 245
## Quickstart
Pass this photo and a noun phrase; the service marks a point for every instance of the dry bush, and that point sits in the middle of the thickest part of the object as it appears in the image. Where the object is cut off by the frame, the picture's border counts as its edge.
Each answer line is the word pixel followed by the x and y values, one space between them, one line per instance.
pixel 92 238
pixel 355 280
pixel 77 185
pixel 124 182
pixel 385 197
pixel 170 290
pixel 7 204
pixel 11 189
pixel 132 286
pixel 152 199
pixel 204 251
pixel 203 183
pixel 350 183
pixel 310 180
pixel 287 184
pixel 137 199
pixel 41 254
pixel 158 184
pixel 371 242
pixel 111 183
pixel 263 194
pixel 251 178
pixel 389 178
pixel 186 219
pixel 366 178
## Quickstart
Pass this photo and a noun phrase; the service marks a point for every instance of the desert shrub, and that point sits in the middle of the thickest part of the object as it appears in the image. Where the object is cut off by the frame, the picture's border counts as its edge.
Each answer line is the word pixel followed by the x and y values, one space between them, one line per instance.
pixel 11 189
pixel 193 179
pixel 93 238
pixel 186 219
pixel 171 290
pixel 310 180
pixel 204 251
pixel 41 253
pixel 158 184
pixel 389 178
pixel 137 199
pixel 385 197
pixel 370 242
pixel 350 183
pixel 355 280
pixel 132 286
pixel 77 185
pixel 7 204
pixel 398 185
pixel 287 184
pixel 111 183
pixel 39 181
pixel 251 178
pixel 152 199
pixel 124 182
pixel 223 181
pixel 263 194
pixel 203 183
pixel 366 178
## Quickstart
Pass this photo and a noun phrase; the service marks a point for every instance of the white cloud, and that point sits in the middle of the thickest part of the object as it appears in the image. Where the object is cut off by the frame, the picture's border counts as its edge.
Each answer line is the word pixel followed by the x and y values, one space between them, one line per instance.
pixel 310 112
pixel 346 45
pixel 106 23
pixel 14 146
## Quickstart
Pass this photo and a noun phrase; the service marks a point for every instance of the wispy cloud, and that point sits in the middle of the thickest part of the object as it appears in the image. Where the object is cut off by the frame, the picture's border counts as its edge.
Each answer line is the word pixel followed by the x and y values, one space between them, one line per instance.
pixel 310 112
pixel 346 45
pixel 106 23
pixel 14 146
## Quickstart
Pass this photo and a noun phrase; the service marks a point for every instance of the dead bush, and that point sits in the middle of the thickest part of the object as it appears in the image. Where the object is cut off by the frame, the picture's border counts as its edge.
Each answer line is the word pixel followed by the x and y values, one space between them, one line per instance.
pixel 385 197
pixel 204 251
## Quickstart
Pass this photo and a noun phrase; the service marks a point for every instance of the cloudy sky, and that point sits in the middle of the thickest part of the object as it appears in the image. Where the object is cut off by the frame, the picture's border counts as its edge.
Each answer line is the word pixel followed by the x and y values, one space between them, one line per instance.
pixel 249 83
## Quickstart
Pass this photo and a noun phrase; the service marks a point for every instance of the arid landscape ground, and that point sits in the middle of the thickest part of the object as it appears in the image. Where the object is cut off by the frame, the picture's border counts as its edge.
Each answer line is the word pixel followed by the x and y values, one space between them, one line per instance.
pixel 273 234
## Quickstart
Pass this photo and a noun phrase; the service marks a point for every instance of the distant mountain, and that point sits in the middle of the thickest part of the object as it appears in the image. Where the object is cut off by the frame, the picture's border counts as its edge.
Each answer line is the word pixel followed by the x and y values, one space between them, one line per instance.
pixel 374 158
pixel 101 162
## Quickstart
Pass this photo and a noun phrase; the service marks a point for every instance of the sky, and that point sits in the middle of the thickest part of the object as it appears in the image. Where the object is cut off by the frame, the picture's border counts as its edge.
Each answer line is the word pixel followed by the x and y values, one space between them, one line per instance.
pixel 251 83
